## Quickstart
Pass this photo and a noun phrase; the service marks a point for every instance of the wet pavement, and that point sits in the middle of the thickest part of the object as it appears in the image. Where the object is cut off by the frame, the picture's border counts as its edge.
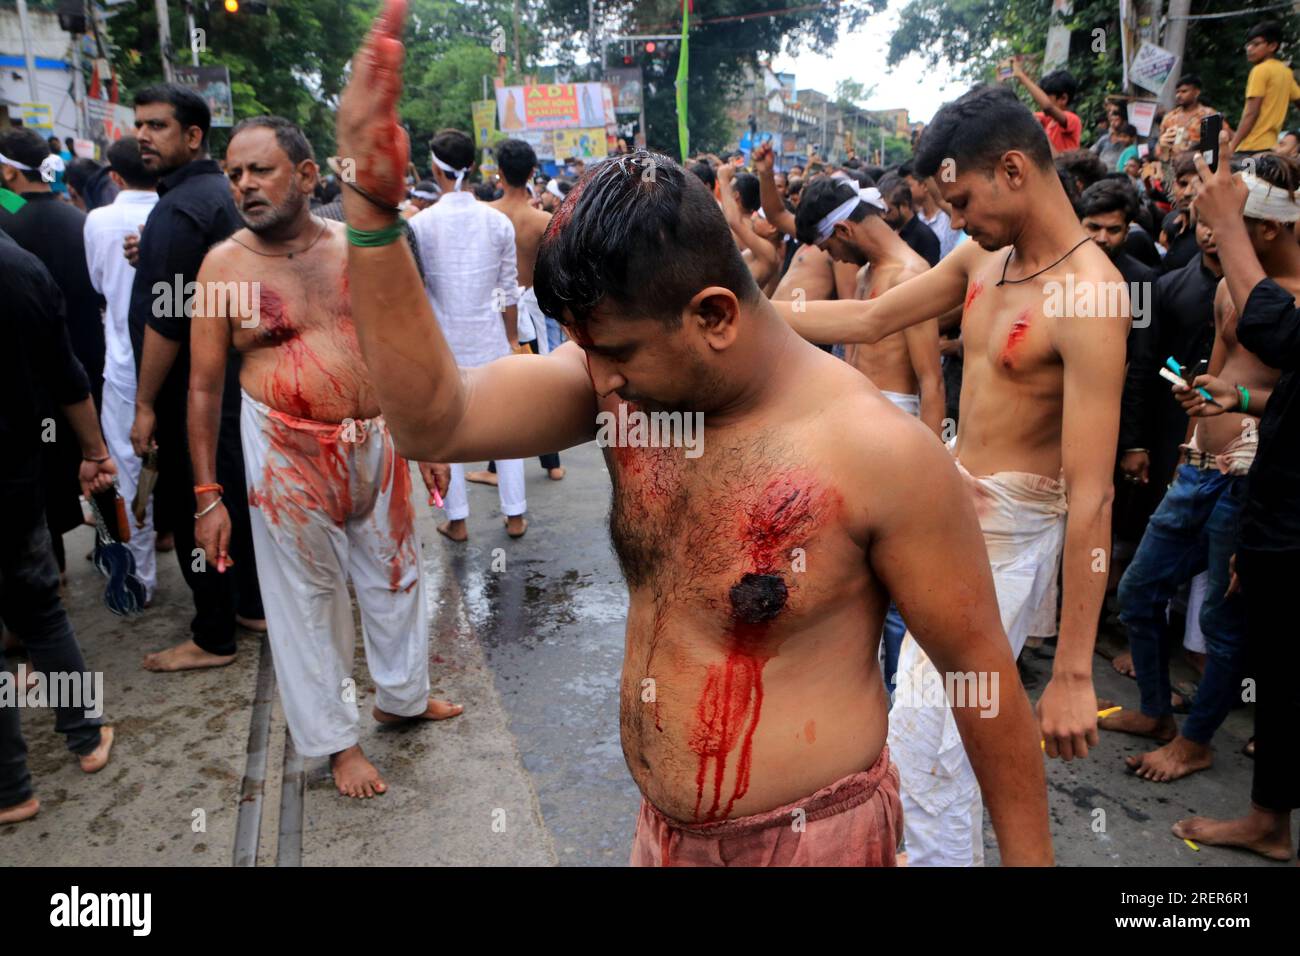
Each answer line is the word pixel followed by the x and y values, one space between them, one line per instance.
pixel 528 634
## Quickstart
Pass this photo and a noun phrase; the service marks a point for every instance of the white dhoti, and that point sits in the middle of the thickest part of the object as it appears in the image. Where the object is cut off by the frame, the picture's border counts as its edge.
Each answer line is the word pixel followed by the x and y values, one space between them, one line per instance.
pixel 1193 637
pixel 510 489
pixel 115 418
pixel 908 403
pixel 332 502
pixel 532 320
pixel 1023 520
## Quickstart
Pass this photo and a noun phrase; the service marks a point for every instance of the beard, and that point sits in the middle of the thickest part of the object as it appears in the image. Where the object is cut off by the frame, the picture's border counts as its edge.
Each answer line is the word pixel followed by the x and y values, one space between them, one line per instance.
pixel 270 217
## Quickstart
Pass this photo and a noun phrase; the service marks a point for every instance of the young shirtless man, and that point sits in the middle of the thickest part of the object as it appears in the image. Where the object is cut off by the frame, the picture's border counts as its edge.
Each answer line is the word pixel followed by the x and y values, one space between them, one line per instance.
pixel 760 242
pixel 753 714
pixel 905 366
pixel 1195 528
pixel 1040 396
pixel 331 499
pixel 517 161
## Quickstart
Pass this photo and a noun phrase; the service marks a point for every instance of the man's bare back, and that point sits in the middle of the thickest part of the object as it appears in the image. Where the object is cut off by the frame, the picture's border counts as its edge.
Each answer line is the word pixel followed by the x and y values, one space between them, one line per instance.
pixel 301 356
pixel 888 363
pixel 529 225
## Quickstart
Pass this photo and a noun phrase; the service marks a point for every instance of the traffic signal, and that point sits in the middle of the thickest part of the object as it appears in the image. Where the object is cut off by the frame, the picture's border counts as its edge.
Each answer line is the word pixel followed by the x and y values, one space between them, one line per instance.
pixel 256 8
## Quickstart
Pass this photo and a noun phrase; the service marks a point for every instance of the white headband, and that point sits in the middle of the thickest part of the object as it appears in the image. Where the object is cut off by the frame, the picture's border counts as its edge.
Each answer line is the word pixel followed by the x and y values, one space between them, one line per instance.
pixel 449 169
pixel 50 166
pixel 553 187
pixel 423 194
pixel 867 194
pixel 1266 201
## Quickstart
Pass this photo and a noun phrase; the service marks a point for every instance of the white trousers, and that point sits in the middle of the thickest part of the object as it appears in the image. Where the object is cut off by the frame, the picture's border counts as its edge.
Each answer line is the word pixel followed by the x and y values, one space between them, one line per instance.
pixel 510 488
pixel 1022 517
pixel 116 418
pixel 331 503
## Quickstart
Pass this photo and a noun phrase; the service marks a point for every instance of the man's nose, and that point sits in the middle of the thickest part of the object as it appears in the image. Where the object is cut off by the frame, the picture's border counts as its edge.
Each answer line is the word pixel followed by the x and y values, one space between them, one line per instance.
pixel 604 377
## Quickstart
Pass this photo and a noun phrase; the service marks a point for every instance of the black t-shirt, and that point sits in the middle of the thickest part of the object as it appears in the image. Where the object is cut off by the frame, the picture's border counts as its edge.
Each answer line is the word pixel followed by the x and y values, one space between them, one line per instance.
pixel 38 373
pixel 1182 243
pixel 195 211
pixel 922 240
pixel 1270 327
pixel 52 230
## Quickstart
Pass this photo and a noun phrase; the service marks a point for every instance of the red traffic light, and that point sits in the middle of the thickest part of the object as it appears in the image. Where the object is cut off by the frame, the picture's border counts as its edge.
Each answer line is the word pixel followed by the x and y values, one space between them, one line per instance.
pixel 650 46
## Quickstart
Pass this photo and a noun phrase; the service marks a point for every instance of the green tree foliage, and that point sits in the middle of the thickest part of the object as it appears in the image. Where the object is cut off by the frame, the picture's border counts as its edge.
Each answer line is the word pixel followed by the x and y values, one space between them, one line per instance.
pixel 976 34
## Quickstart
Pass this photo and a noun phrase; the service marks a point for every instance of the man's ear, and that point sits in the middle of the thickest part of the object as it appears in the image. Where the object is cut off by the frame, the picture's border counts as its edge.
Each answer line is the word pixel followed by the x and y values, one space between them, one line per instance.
pixel 715 311
pixel 1015 166
pixel 308 175
pixel 194 138
pixel 118 181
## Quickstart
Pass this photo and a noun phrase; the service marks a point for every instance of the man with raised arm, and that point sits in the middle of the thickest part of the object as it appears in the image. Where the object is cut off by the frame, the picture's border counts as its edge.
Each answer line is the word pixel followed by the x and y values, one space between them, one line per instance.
pixel 753 714
pixel 1045 323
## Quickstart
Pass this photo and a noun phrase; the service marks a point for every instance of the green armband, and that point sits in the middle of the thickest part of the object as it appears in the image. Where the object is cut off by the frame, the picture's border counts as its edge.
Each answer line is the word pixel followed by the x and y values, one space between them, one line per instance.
pixel 370 238
pixel 1244 398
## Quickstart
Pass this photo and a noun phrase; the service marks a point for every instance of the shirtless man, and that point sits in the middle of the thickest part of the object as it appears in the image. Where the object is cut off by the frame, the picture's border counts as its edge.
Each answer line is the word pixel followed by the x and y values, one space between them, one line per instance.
pixel 1195 527
pixel 331 499
pixel 516 160
pixel 1265 291
pixel 758 571
pixel 1040 396
pixel 813 274
pixel 835 216
pixel 760 242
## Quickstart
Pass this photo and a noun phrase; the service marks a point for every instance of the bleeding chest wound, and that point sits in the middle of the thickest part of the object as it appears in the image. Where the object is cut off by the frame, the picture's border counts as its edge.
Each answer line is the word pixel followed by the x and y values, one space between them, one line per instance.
pixel 757 598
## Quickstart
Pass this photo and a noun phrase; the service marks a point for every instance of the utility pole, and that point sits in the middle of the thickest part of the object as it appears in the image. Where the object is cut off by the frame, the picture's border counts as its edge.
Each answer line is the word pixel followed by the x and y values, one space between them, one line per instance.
pixel 189 26
pixel 25 26
pixel 164 38
pixel 1175 41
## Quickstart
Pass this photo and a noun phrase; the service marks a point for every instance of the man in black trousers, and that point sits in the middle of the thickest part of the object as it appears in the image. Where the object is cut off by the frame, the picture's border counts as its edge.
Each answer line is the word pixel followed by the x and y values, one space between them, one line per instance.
pixel 194 212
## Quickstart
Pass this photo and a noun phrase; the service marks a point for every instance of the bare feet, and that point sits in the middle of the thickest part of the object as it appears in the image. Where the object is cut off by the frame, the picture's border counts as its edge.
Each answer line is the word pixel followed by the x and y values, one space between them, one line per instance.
pixel 1123 664
pixel 516 525
pixel 555 474
pixel 437 710
pixel 97 759
pixel 1268 834
pixel 186 656
pixel 20 811
pixel 1174 760
pixel 481 477
pixel 165 542
pixel 354 775
pixel 1136 722
pixel 455 530
pixel 255 624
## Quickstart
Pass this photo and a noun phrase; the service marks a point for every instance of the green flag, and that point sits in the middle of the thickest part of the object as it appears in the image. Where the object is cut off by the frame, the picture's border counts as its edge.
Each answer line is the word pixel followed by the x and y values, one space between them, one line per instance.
pixel 683 71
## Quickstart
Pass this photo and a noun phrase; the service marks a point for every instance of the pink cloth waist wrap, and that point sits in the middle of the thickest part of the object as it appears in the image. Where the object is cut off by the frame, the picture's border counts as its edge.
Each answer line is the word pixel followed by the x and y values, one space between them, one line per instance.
pixel 856 821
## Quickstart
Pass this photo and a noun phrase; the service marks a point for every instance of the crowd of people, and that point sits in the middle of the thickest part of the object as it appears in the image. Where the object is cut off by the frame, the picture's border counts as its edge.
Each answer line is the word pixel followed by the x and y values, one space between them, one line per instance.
pixel 248 353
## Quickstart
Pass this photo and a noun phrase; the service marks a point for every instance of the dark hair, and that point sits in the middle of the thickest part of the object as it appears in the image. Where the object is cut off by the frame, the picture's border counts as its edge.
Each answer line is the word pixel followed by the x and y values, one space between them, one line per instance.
pixel 976 129
pixel 875 172
pixel 78 173
pixel 54 144
pixel 747 189
pixel 69 142
pixel 1270 31
pixel 1109 195
pixel 705 172
pixel 188 107
pixel 25 145
pixel 1081 165
pixel 1058 82
pixel 894 189
pixel 1185 164
pixel 454 148
pixel 1128 129
pixel 1189 79
pixel 819 198
pixel 487 192
pixel 516 160
pixel 793 186
pixel 860 177
pixel 641 233
pixel 563 183
pixel 287 135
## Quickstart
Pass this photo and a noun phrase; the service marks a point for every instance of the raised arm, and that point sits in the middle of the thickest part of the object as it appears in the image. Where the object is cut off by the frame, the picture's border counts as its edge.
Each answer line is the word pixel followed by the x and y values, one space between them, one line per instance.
pixel 435 412
pixel 1092 351
pixel 1042 99
pixel 910 303
pixel 957 624
pixel 773 207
